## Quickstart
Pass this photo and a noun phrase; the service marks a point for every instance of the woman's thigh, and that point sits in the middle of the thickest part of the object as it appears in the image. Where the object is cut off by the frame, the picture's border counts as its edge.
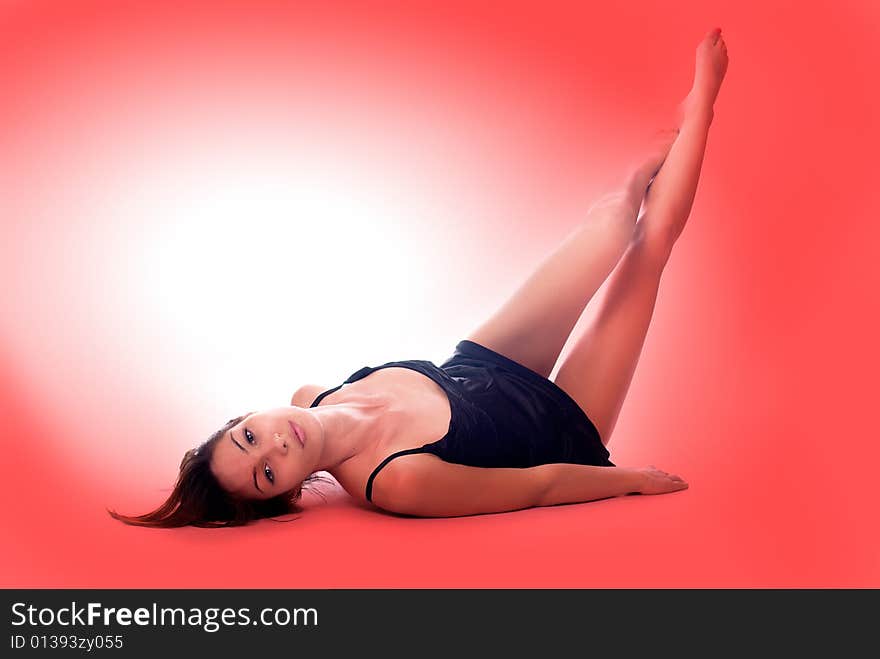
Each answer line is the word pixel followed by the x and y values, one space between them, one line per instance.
pixel 532 326
pixel 598 369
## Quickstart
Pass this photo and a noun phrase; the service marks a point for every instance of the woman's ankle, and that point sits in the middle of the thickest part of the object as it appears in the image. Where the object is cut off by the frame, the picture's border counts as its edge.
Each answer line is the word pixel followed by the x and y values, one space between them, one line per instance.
pixel 696 107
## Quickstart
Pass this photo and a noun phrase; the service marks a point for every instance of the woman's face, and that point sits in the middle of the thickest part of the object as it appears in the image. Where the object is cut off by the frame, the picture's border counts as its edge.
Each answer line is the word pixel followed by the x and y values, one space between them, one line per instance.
pixel 262 456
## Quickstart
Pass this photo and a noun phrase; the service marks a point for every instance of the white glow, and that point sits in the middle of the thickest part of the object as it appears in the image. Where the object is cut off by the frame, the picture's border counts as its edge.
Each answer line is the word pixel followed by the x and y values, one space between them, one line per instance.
pixel 246 272
pixel 197 284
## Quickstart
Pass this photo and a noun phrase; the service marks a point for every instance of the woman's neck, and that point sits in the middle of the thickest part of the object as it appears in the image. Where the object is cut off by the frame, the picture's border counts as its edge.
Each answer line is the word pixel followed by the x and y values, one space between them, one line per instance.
pixel 352 425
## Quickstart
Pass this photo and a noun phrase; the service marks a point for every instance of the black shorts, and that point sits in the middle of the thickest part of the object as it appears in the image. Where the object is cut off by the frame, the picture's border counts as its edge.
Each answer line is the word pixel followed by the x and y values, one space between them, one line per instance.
pixel 525 401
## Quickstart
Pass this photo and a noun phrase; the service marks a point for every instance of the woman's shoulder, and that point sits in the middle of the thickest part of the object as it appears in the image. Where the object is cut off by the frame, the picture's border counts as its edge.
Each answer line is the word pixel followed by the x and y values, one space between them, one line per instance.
pixel 306 394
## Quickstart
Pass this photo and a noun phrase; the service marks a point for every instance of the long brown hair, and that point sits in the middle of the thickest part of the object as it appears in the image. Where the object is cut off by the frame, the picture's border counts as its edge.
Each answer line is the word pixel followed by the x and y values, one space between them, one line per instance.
pixel 199 500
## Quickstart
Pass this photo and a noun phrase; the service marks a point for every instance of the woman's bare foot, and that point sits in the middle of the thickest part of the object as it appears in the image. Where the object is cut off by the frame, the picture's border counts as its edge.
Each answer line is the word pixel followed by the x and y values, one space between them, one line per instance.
pixel 640 171
pixel 711 65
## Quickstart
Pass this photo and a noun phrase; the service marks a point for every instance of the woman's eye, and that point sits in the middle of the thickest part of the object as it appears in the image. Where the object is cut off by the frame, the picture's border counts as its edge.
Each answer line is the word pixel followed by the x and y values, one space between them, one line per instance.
pixel 249 436
pixel 269 474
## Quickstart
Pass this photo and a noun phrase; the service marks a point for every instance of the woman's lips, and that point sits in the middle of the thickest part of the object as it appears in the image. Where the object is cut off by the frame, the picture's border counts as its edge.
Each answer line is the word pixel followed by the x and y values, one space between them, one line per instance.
pixel 298 432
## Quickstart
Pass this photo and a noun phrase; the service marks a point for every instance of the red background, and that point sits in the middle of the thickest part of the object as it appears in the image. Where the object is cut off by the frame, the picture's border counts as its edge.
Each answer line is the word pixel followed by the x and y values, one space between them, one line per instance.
pixel 459 141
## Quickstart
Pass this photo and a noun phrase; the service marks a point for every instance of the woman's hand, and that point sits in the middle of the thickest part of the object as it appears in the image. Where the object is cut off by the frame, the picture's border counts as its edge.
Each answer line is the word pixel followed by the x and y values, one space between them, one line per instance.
pixel 656 481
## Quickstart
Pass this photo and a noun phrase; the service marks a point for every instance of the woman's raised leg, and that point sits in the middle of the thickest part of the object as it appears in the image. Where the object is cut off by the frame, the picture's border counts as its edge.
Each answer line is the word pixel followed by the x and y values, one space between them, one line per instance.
pixel 598 370
pixel 532 326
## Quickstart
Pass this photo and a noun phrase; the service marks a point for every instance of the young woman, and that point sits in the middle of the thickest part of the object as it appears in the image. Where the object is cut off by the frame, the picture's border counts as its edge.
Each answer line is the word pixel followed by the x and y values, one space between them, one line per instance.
pixel 509 438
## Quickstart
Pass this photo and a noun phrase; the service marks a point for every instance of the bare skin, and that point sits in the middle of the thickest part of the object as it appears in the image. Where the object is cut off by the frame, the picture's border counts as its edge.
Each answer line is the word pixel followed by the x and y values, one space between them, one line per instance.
pixel 631 253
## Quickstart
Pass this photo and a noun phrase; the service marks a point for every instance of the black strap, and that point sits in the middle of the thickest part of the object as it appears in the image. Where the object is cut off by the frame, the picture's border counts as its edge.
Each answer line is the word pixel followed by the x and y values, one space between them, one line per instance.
pixel 357 375
pixel 325 393
pixel 420 449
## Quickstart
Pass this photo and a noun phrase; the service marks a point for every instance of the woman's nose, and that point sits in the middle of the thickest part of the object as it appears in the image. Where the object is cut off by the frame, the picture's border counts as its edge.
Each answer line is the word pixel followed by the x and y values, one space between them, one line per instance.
pixel 280 443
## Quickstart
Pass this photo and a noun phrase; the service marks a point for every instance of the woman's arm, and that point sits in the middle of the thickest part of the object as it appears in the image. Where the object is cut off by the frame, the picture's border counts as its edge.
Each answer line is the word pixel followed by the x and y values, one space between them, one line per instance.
pixel 426 486
pixel 571 483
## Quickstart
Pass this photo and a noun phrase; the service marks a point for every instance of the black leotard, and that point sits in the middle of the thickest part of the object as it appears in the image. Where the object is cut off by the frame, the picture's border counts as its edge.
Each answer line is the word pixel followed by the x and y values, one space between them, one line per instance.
pixel 503 414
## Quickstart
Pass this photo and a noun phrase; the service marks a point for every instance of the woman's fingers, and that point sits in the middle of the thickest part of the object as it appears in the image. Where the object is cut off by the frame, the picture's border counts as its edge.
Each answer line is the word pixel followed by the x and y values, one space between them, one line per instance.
pixel 662 481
